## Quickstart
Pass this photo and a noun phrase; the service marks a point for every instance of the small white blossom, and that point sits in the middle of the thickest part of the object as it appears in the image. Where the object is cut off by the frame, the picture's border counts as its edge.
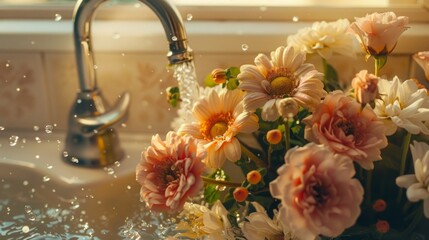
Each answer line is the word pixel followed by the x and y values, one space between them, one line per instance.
pixel 402 105
pixel 418 184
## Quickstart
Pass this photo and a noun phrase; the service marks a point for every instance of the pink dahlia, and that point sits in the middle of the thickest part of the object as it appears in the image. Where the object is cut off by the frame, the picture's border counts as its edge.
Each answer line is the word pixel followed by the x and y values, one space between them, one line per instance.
pixel 170 172
pixel 318 193
pixel 345 128
pixel 284 75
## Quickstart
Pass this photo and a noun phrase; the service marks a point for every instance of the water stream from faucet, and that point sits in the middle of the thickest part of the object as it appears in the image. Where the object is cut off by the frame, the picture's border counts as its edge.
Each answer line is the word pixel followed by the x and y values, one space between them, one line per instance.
pixel 189 87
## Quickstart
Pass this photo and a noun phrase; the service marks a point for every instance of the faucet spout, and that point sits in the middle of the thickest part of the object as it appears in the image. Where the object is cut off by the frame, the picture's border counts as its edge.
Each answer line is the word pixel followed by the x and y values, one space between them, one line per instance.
pixel 83 15
pixel 91 140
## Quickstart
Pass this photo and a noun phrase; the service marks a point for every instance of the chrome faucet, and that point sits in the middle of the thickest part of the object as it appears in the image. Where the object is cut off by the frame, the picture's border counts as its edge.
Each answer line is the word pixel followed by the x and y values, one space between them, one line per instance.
pixel 91 140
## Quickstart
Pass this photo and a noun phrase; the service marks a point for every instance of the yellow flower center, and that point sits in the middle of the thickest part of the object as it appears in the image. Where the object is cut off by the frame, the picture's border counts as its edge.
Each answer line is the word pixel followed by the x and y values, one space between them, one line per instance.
pixel 282 82
pixel 218 129
pixel 216 125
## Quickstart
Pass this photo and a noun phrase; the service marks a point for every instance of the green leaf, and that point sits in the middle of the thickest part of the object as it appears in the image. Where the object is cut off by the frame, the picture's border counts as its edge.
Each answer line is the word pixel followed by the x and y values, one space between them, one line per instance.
pixel 208 81
pixel 232 83
pixel 381 60
pixel 211 193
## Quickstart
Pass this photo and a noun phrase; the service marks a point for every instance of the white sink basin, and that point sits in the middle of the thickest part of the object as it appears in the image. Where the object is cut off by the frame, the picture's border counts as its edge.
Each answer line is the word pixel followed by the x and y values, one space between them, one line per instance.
pixel 42 197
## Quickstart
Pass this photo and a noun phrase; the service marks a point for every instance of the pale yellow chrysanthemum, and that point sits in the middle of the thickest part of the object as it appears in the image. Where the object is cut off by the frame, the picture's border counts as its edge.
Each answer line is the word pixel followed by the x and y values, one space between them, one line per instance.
pixel 325 39
pixel 284 75
pixel 402 105
pixel 220 116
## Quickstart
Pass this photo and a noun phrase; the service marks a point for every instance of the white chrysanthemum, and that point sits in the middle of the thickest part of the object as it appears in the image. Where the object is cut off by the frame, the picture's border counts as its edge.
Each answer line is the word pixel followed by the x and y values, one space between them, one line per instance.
pixel 259 226
pixel 284 75
pixel 325 39
pixel 418 184
pixel 216 222
pixel 402 105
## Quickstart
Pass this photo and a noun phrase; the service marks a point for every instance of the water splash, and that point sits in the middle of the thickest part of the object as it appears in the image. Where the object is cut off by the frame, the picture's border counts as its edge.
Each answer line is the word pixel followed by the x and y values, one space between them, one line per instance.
pixel 188 85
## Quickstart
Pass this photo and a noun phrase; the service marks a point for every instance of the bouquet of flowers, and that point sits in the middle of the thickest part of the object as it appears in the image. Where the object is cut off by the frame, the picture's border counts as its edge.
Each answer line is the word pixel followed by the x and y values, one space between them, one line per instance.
pixel 320 159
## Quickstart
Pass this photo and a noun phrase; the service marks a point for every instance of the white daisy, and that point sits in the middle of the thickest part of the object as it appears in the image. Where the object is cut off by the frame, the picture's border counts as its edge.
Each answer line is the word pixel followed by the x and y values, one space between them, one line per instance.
pixel 219 118
pixel 284 75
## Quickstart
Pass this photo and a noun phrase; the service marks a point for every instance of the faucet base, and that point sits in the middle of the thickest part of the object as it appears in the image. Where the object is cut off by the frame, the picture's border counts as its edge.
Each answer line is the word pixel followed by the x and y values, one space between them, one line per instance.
pixel 100 150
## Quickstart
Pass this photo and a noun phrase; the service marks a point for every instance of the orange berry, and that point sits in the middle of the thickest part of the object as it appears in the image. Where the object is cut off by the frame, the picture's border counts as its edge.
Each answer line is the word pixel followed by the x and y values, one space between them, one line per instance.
pixel 253 177
pixel 274 136
pixel 379 205
pixel 382 226
pixel 240 194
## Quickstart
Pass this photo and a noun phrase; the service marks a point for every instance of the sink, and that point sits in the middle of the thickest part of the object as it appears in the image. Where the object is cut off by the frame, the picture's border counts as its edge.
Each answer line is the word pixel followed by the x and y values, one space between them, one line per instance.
pixel 42 197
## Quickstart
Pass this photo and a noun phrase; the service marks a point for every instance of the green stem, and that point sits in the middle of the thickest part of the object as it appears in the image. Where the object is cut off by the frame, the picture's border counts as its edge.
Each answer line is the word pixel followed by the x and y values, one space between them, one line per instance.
pixel 377 68
pixel 220 182
pixel 287 135
pixel 270 151
pixel 416 220
pixel 404 152
pixel 368 187
pixel 253 157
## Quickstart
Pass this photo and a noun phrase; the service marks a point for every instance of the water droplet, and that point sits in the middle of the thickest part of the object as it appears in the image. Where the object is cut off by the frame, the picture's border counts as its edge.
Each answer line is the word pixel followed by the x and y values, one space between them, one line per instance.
pixel 74 160
pixel 46 179
pixel 18 89
pixel 95 66
pixel 36 128
pixel 24 76
pixel 28 209
pixel 124 125
pixel 13 140
pixel 65 154
pixel 25 183
pixel 244 47
pixel 295 18
pixel 116 35
pixel 37 156
pixel 79 101
pixel 2 128
pixel 117 163
pixel 110 171
pixel 38 140
pixel 174 38
pixel 128 187
pixel 49 128
pixel 7 64
pixel 58 17
pixel 48 166
pixel 189 17
pixel 123 54
pixel 137 5
pixel 25 229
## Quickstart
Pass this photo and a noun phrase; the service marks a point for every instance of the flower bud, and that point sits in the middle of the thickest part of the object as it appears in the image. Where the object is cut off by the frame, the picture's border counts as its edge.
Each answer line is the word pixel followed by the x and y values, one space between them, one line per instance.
pixel 365 86
pixel 422 58
pixel 287 107
pixel 240 194
pixel 254 177
pixel 274 136
pixel 219 75
pixel 382 226
pixel 379 205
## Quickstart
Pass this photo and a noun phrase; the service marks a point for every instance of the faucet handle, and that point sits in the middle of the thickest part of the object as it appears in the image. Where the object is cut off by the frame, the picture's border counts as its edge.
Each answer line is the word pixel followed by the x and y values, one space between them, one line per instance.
pixel 119 113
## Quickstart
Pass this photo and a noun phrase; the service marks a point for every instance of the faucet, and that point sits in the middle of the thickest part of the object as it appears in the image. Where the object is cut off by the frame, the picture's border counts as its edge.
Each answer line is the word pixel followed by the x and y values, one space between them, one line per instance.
pixel 91 140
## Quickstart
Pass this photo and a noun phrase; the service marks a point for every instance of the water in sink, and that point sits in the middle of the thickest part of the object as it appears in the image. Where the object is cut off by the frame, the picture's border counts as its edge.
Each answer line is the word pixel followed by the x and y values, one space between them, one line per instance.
pixel 41 197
